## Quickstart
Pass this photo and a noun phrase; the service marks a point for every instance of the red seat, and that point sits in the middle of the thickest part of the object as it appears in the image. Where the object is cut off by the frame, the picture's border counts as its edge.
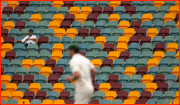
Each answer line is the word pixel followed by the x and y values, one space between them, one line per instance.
pixel 2 71
pixel 83 32
pixel 134 39
pixel 125 3
pixel 4 33
pixel 107 63
pixel 142 71
pixel 177 18
pixel 140 101
pixel 42 40
pixel 108 10
pixel 82 53
pixel 130 10
pixel 69 101
pixel 50 63
pixel 41 95
pixel 108 47
pixel 164 32
pixel 145 39
pixel 159 78
pixel 28 95
pixel 53 79
pixel 19 10
pixel 24 3
pixel 7 10
pixel 159 47
pixel 95 32
pixel 113 79
pixel 10 55
pixel 68 3
pixel 20 25
pixel 122 95
pixel 28 79
pixel 145 95
pixel 58 71
pixel 96 86
pixel 135 24
pixel 124 55
pixel 64 95
pixel 65 24
pixel 94 101
pixel 162 87
pixel 93 79
pixel 9 40
pixel 116 87
pixel 16 79
pixel 69 17
pixel 140 32
pixel 92 17
pixel 97 10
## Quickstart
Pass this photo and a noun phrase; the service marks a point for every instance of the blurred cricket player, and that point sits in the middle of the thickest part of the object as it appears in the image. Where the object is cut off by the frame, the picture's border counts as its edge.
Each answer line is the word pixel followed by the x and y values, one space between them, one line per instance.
pixel 82 70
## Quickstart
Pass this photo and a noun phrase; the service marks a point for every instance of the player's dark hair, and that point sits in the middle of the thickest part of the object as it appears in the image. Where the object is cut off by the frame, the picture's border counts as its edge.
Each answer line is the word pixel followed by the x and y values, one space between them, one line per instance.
pixel 76 50
pixel 30 30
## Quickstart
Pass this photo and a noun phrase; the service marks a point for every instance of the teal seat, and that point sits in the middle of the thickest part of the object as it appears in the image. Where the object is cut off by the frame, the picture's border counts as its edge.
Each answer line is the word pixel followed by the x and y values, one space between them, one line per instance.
pixel 46 87
pixel 19 38
pixel 101 78
pixel 170 55
pixel 98 70
pixel 45 47
pixel 119 10
pixel 118 71
pixel 174 32
pixel 35 3
pixel 141 10
pixel 174 87
pixel 103 3
pixel 43 25
pixel 125 17
pixel 106 32
pixel 177 40
pixel 91 55
pixel 63 10
pixel 68 71
pixel 89 25
pixel 77 25
pixel 169 3
pixel 2 25
pixel 163 101
pixel 10 71
pixel 91 3
pixel 103 17
pixel 170 24
pixel 174 63
pixel 46 3
pixel 66 56
pixel 164 63
pixel 84 47
pixel 24 32
pixel 147 54
pixel 21 71
pixel 165 70
pixel 112 39
pixel 152 9
pixel 146 25
pixel 102 55
pixel 3 87
pixel 46 17
pixel 33 55
pixel 117 32
pixel 158 24
pixel 40 79
pixel 33 71
pixel 13 17
pixel 158 17
pixel 19 47
pixel 45 55
pixel 147 3
pixel 12 101
pixel 23 87
pixel 136 79
pixel 72 95
pixel 65 41
pixel 62 63
pixel 134 47
pixel 118 63
pixel 79 3
pixel 112 25
pixel 139 87
pixel 31 25
pixel 106 71
pixel 100 24
pixel 157 95
pixel 141 63
pixel 41 10
pixel 163 9
pixel 21 55
pixel 169 95
pixel 136 3
pixel 30 10
pixel 89 39
pixel 5 63
pixel 151 101
pixel 4 17
pixel 136 17
pixel 70 87
pixel 14 32
pixel 52 10
pixel 117 101
pixel 105 101
pixel 3 101
pixel 77 40
pixel 124 79
pixel 127 87
pixel 14 63
pixel 135 55
pixel 96 47
pixel 36 101
pixel 170 78
pixel 32 47
pixel 63 79
pixel 98 95
pixel 38 32
pixel 157 39
pixel 153 70
pixel 48 33
pixel 54 40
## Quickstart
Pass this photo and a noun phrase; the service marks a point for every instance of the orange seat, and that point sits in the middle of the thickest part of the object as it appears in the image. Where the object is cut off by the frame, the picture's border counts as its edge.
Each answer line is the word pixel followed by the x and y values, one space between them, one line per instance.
pixel 45 71
pixel 176 71
pixel 56 55
pixel 124 24
pixel 81 18
pixel 121 47
pixel 147 17
pixel 123 39
pixel 177 3
pixel 38 63
pixel 58 17
pixel 57 4
pixel 13 4
pixel 175 101
pixel 71 32
pixel 97 62
pixel 59 87
pixel 129 32
pixel 114 4
pixel 158 3
pixel 59 32
pixel 6 47
pixel 168 17
pixel 110 95
pixel 174 9
pixel 148 78
pixel 47 101
pixel 152 63
pixel 101 40
pixel 5 95
pixel 17 95
pixel 152 32
pixel 159 55
pixel 58 47
pixel 8 25
pixel 151 87
pixel 11 87
pixel 130 71
pixel 35 87
pixel 113 55
pixel 114 17
pixel 36 17
pixel 177 55
pixel 27 63
pixel 86 10
pixel 134 95
pixel 54 25
pixel 23 101
pixel 59 101
pixel 3 54
pixel 74 10
pixel 5 79
pixel 172 47
pixel 177 95
pixel 129 101
pixel 104 87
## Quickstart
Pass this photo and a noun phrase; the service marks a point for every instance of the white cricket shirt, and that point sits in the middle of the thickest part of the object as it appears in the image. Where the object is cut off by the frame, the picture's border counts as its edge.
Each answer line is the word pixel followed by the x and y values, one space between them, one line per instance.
pixel 29 41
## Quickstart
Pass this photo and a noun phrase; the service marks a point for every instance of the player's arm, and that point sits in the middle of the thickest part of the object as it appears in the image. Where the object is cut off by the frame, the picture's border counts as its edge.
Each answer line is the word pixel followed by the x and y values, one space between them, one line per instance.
pixel 93 72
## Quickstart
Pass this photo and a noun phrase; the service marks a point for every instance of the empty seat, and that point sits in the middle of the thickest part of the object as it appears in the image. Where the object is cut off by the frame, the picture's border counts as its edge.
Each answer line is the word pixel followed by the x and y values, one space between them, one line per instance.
pixel 130 10
pixel 95 32
pixel 16 79
pixel 150 87
pixel 57 4
pixel 140 32
pixel 28 79
pixel 10 55
pixel 159 47
pixel 54 24
pixel 63 10
pixel 96 10
pixel 142 71
pixel 68 3
pixel 65 25
pixel 31 25
pixel 4 32
pixel 41 95
pixel 8 25
pixel 86 10
pixel 164 32
pixel 60 32
pixel 52 10
pixel 7 10
pixel 172 47
pixel 108 10
pixel 162 87
pixel 145 95
pixel 69 17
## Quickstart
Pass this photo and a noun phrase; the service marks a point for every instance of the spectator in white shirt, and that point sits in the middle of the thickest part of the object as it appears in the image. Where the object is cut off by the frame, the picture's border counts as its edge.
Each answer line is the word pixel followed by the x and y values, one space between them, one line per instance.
pixel 30 39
